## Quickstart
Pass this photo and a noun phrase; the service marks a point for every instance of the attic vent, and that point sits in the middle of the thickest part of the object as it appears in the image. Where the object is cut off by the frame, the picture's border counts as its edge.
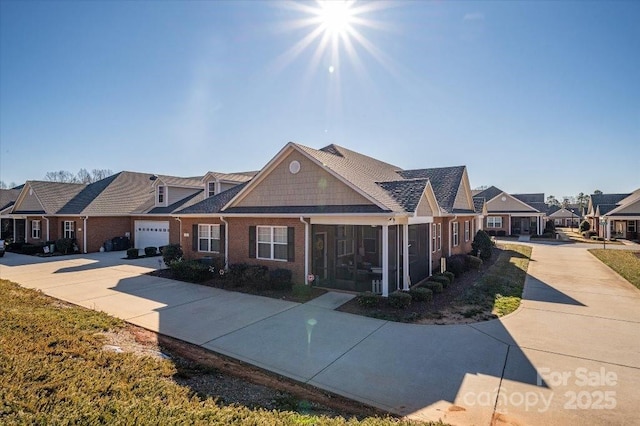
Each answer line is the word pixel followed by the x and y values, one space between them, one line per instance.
pixel 294 167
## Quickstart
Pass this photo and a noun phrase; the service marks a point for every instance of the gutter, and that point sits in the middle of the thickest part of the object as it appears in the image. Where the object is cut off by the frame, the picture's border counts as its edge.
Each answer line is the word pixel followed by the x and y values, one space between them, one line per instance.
pixel 306 250
pixel 84 234
pixel 226 243
pixel 47 219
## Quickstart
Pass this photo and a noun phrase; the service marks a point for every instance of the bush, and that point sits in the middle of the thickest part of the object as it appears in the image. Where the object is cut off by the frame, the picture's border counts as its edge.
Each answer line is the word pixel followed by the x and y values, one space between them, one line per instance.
pixel 368 299
pixel 596 238
pixel 456 264
pixel 132 253
pixel 491 232
pixel 256 276
pixel 589 234
pixel 280 279
pixel 150 251
pixel 171 253
pixel 190 270
pixel 64 245
pixel 399 299
pixel 235 274
pixel 434 286
pixel 421 294
pixel 450 275
pixel 501 233
pixel 585 226
pixel 482 245
pixel 473 262
pixel 442 279
pixel 31 249
pixel 215 263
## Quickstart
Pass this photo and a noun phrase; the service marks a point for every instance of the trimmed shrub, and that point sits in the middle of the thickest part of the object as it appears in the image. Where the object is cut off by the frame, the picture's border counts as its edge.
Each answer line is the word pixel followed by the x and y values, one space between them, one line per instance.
pixel 473 262
pixel 368 299
pixel 421 294
pixel 596 238
pixel 280 279
pixel 589 234
pixel 501 233
pixel 456 264
pixel 491 232
pixel 399 299
pixel 31 249
pixel 434 286
pixel 64 245
pixel 132 253
pixel 150 251
pixel 190 270
pixel 256 275
pixel 215 263
pixel 482 245
pixel 585 226
pixel 171 253
pixel 235 274
pixel 450 275
pixel 442 279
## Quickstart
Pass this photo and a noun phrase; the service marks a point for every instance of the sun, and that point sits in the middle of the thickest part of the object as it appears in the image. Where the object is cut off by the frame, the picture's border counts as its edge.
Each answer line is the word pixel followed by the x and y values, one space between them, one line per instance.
pixel 335 17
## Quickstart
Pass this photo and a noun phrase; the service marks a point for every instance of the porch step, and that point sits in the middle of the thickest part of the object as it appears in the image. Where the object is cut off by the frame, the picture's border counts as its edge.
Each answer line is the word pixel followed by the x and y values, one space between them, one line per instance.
pixel 524 238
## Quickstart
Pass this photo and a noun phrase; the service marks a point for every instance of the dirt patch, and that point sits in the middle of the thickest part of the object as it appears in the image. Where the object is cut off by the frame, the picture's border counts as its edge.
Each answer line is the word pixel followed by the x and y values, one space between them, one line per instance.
pixel 444 309
pixel 230 381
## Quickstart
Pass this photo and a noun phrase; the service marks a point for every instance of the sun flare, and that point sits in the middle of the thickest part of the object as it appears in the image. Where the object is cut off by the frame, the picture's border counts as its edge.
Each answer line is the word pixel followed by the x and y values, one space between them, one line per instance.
pixel 336 17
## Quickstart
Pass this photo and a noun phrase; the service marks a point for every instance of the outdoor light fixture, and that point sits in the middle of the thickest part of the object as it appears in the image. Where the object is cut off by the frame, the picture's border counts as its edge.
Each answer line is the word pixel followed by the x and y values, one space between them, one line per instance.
pixel 603 223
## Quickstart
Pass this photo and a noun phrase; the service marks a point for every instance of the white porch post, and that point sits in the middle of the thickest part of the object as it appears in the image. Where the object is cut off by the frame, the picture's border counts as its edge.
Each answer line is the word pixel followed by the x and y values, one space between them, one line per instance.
pixel 406 279
pixel 607 231
pixel 509 229
pixel 385 260
pixel 14 231
pixel 430 247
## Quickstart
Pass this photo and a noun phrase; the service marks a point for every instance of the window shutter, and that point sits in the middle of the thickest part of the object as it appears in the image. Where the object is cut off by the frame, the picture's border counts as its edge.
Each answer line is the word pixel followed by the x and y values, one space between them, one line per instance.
pixel 291 244
pixel 222 238
pixel 62 229
pixel 252 242
pixel 194 237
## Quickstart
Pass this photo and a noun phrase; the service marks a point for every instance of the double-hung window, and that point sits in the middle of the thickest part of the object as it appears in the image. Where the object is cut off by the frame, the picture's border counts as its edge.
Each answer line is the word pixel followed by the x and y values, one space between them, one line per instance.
pixel 272 242
pixel 69 229
pixel 456 239
pixel 161 195
pixel 211 189
pixel 631 226
pixel 494 222
pixel 439 236
pixel 209 238
pixel 35 229
pixel 434 231
pixel 467 230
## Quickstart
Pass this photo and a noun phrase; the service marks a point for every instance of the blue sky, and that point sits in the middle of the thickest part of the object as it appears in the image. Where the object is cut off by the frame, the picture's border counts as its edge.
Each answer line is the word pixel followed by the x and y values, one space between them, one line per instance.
pixel 530 96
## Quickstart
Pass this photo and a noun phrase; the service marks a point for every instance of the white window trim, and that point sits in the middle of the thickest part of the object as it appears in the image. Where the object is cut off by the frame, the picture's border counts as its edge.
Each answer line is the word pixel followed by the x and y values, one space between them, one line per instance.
pixel 467 230
pixel 272 243
pixel 491 221
pixel 455 232
pixel 164 191
pixel 439 236
pixel 69 231
pixel 209 239
pixel 35 226
pixel 434 240
pixel 215 188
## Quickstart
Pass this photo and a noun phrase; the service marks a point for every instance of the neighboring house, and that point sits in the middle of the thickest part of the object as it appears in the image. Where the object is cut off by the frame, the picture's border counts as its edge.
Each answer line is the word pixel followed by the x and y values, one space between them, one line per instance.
pixel 568 216
pixel 345 220
pixel 8 198
pixel 512 214
pixel 615 215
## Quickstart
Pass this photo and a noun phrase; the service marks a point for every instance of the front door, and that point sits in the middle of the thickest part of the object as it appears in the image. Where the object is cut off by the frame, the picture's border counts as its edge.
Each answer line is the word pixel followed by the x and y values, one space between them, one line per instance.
pixel 524 225
pixel 320 255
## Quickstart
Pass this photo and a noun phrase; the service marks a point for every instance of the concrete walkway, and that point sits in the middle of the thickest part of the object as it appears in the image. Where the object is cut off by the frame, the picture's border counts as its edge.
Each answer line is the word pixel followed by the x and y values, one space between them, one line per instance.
pixel 569 355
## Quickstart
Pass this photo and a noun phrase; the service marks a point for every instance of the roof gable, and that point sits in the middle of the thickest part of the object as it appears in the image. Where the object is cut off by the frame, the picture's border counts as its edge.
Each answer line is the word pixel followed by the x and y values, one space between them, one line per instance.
pixel 46 197
pixel 506 203
pixel 446 183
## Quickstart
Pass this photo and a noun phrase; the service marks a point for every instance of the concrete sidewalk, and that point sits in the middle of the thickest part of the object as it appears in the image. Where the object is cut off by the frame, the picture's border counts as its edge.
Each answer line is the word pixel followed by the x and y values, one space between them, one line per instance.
pixel 578 317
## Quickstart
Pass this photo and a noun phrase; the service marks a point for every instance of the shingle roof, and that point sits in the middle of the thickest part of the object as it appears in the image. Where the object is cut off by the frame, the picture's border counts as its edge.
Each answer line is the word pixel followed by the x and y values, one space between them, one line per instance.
pixel 193 182
pixel 530 198
pixel 359 208
pixel 478 204
pixel 406 192
pixel 445 182
pixel 8 197
pixel 54 195
pixel 233 177
pixel 489 193
pixel 213 204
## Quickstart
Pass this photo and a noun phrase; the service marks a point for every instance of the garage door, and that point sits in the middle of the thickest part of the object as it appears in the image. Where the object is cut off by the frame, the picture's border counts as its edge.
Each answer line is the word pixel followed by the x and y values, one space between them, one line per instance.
pixel 151 233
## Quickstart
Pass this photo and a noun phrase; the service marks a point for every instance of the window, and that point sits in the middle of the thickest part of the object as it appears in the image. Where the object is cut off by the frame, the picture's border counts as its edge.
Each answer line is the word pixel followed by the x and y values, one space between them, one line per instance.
pixel 209 238
pixel 467 230
pixel 434 230
pixel 631 226
pixel 439 236
pixel 161 195
pixel 211 189
pixel 494 222
pixel 272 242
pixel 69 229
pixel 35 229
pixel 456 239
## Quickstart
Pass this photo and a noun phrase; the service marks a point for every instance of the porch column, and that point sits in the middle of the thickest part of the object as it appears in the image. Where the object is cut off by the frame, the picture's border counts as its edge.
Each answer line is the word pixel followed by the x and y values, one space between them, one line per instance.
pixel 509 230
pixel 14 231
pixel 608 229
pixel 430 247
pixel 406 279
pixel 385 260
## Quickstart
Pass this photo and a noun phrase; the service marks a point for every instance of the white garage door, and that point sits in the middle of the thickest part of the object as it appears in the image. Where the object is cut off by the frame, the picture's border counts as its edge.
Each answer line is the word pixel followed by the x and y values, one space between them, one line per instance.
pixel 151 233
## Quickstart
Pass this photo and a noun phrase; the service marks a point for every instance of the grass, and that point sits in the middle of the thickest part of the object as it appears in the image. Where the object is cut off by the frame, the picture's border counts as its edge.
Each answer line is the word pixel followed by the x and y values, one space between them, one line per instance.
pixel 53 371
pixel 501 287
pixel 624 262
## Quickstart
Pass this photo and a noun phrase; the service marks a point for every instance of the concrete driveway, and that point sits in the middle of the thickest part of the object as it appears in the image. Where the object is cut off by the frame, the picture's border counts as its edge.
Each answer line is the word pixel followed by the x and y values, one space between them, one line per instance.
pixel 569 355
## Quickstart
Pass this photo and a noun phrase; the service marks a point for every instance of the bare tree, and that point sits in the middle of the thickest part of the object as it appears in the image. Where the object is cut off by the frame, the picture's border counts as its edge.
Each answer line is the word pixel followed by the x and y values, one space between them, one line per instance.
pixel 3 185
pixel 60 176
pixel 99 174
pixel 83 176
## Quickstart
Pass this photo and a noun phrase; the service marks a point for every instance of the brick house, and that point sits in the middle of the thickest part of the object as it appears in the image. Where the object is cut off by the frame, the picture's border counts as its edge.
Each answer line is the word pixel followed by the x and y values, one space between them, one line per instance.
pixel 512 214
pixel 347 220
pixel 615 215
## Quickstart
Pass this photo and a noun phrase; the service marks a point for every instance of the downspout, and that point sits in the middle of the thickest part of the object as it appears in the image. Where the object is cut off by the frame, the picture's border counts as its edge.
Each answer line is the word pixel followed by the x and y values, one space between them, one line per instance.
pixel 180 234
pixel 306 250
pixel 226 243
pixel 84 234
pixel 47 219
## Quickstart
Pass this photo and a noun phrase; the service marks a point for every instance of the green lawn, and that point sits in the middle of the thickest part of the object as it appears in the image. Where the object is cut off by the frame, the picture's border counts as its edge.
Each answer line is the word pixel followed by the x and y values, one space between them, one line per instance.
pixel 500 288
pixel 53 371
pixel 624 262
